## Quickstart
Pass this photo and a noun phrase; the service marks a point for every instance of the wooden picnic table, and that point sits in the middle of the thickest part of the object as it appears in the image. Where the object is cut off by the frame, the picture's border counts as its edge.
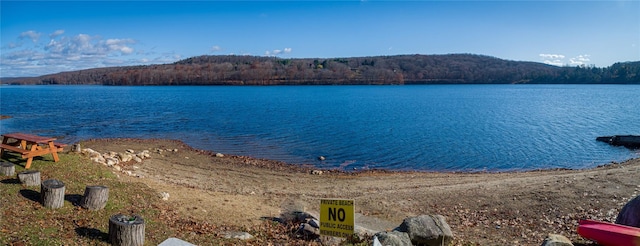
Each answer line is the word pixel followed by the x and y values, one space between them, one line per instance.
pixel 30 146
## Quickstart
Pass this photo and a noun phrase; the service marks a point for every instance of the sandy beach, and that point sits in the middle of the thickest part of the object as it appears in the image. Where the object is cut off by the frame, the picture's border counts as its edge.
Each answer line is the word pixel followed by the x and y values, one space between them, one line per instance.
pixel 513 208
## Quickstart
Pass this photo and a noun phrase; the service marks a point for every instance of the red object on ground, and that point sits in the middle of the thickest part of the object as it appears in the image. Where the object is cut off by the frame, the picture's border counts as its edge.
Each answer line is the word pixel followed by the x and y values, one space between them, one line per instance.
pixel 609 234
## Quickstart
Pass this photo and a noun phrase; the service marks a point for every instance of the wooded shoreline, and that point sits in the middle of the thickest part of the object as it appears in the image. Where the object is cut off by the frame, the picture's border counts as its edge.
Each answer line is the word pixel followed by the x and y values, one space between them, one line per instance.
pixel 378 70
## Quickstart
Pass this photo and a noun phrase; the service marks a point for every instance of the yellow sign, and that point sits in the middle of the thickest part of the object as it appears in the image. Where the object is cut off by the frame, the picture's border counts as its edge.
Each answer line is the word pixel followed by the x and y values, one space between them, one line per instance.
pixel 336 217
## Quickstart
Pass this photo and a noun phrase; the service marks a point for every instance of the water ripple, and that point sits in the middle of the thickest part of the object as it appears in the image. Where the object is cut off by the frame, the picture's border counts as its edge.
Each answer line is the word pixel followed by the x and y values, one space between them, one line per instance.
pixel 441 127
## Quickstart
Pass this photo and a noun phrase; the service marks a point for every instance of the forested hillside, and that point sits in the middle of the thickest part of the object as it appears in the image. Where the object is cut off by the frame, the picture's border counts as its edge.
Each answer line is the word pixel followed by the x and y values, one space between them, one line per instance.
pixel 402 69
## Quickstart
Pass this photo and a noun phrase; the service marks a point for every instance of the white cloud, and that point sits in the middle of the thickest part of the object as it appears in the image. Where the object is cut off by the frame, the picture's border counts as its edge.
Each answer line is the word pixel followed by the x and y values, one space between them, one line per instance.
pixel 559 60
pixel 580 60
pixel 277 52
pixel 56 34
pixel 552 56
pixel 11 45
pixel 215 48
pixel 553 59
pixel 70 52
pixel 554 62
pixel 120 45
pixel 33 35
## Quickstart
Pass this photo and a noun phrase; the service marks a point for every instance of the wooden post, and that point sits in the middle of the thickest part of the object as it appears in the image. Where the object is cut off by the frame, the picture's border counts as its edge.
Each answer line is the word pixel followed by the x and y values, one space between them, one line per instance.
pixel 29 178
pixel 52 193
pixel 7 169
pixel 126 231
pixel 95 197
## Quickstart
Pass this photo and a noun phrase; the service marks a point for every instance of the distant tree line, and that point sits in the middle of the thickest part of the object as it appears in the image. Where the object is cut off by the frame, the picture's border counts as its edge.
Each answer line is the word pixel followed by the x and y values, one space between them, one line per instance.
pixel 379 70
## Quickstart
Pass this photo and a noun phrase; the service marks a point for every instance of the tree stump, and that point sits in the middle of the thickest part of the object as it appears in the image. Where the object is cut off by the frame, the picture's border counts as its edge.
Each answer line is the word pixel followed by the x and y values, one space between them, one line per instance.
pixel 29 178
pixel 52 193
pixel 76 148
pixel 7 169
pixel 126 231
pixel 95 197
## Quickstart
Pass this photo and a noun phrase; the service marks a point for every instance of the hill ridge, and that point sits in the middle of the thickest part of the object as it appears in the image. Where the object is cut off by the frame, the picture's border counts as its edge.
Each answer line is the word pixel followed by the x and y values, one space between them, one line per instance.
pixel 370 70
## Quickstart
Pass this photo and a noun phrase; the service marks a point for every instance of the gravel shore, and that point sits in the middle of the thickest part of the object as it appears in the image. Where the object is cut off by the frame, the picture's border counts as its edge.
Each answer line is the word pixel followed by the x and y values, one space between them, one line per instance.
pixel 512 208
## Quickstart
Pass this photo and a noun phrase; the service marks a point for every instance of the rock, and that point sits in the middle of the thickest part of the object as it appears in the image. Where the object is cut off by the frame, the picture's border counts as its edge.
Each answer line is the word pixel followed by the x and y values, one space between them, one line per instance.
pixel 393 238
pixel 376 242
pixel 321 158
pixel 296 217
pixel 99 160
pixel 363 232
pixel 556 240
pixel 316 172
pixel 164 196
pixel 309 230
pixel 219 155
pixel 130 151
pixel 629 141
pixel 137 159
pixel 117 168
pixel 172 241
pixel 630 213
pixel 111 161
pixel 427 230
pixel 91 153
pixel 144 154
pixel 124 157
pixel 314 222
pixel 238 235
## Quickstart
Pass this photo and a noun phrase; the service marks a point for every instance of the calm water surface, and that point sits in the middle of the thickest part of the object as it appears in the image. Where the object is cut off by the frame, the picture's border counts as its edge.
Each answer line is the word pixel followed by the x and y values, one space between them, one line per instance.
pixel 430 127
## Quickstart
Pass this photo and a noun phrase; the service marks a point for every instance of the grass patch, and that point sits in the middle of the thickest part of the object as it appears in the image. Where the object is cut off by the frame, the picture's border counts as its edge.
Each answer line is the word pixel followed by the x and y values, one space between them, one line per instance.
pixel 26 221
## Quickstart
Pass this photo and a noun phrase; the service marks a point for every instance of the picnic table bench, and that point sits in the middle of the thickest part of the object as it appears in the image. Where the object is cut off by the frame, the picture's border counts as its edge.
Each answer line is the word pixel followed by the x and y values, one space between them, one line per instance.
pixel 30 146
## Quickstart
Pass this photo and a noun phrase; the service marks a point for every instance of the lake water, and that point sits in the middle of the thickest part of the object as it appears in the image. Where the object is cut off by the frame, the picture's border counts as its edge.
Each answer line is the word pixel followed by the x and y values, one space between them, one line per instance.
pixel 422 127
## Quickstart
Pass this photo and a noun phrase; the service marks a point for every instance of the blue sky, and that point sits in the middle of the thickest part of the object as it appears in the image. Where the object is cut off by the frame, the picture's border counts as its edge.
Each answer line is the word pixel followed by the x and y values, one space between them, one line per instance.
pixel 47 37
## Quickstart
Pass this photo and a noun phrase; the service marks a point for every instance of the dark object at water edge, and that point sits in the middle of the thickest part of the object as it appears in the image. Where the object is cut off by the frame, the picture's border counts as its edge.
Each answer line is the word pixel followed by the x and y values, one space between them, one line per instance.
pixel 629 141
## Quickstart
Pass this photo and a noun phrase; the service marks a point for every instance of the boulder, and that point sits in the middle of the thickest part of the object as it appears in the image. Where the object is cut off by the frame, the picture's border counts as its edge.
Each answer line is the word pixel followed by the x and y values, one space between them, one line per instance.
pixel 124 157
pixel 172 241
pixel 91 153
pixel 427 230
pixel 393 238
pixel 99 160
pixel 309 230
pixel 295 216
pixel 314 222
pixel 144 154
pixel 363 232
pixel 111 161
pixel 630 213
pixel 556 240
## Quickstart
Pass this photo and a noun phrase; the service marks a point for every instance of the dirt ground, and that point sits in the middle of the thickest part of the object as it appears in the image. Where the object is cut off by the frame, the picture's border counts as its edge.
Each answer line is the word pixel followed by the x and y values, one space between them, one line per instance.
pixel 514 208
